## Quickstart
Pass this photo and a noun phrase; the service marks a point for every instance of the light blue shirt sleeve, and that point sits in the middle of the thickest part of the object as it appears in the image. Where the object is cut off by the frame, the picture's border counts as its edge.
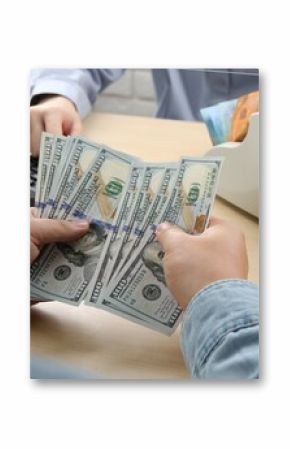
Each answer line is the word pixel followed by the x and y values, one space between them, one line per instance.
pixel 81 86
pixel 220 331
pixel 180 93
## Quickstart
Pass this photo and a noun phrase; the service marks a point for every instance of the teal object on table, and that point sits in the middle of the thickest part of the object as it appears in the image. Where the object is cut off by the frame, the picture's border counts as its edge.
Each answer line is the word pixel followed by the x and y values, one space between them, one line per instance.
pixel 218 119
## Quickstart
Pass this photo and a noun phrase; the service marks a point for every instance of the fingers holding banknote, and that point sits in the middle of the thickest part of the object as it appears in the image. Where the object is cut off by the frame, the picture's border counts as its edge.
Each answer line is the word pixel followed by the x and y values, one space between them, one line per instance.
pixel 54 114
pixel 47 231
pixel 193 261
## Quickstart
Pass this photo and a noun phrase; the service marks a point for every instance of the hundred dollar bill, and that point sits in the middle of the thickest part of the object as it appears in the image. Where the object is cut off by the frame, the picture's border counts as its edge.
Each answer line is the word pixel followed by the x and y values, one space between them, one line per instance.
pixel 155 211
pixel 140 288
pixel 85 190
pixel 81 173
pixel 64 270
pixel 85 202
pixel 60 180
pixel 46 149
pixel 112 246
pixel 196 189
pixel 82 154
pixel 56 164
pixel 134 230
pixel 158 205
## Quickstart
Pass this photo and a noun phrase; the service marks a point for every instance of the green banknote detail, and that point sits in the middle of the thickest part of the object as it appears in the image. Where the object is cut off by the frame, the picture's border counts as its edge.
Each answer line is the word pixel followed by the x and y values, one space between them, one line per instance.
pixel 64 270
pixel 46 150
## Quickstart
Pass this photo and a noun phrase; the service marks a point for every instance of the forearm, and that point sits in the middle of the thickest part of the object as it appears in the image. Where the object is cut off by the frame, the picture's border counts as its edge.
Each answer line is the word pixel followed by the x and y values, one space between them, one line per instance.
pixel 80 86
pixel 220 333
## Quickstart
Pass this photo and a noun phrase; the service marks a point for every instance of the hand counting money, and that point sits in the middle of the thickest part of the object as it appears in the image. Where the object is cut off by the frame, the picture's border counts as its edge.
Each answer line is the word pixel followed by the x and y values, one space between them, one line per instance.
pixel 117 265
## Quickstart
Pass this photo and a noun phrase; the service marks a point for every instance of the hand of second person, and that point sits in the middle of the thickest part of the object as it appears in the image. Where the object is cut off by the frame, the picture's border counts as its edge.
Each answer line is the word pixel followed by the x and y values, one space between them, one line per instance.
pixel 193 261
pixel 54 114
pixel 44 230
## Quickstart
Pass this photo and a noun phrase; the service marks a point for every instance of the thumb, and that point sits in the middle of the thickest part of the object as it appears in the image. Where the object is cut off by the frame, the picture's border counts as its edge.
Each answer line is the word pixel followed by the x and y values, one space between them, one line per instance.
pixel 48 231
pixel 170 236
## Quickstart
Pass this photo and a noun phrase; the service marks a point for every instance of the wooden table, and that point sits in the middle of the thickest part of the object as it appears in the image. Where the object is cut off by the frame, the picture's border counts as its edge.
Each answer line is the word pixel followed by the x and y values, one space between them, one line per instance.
pixel 92 339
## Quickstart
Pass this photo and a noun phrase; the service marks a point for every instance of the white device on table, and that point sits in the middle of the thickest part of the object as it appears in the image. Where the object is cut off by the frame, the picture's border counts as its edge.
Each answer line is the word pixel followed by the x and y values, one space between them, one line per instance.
pixel 239 180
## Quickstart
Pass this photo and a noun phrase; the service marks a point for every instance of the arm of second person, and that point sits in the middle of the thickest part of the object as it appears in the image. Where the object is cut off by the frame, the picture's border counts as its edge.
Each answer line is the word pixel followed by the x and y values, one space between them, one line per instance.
pixel 220 332
pixel 207 275
pixel 60 98
pixel 80 86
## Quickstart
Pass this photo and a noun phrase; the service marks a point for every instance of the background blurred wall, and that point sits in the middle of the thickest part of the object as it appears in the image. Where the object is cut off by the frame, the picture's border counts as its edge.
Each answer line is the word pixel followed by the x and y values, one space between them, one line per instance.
pixel 132 94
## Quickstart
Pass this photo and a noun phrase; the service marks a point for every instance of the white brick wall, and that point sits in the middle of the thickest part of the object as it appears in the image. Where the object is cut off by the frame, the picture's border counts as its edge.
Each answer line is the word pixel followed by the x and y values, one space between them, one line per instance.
pixel 132 94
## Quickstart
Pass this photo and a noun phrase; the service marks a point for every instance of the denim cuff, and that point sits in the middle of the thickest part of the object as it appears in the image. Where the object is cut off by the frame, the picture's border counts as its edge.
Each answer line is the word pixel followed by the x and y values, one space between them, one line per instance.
pixel 215 311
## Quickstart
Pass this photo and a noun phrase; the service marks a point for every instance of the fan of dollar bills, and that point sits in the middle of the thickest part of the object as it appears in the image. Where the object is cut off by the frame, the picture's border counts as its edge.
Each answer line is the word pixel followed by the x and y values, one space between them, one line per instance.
pixel 117 265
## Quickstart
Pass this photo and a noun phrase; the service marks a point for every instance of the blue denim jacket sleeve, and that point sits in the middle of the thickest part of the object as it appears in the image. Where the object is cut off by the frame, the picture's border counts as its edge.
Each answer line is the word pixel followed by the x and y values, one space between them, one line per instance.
pixel 220 331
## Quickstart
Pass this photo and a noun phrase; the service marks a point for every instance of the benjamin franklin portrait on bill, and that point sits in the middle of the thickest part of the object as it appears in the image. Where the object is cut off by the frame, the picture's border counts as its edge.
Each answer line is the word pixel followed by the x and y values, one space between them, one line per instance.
pixel 152 257
pixel 86 251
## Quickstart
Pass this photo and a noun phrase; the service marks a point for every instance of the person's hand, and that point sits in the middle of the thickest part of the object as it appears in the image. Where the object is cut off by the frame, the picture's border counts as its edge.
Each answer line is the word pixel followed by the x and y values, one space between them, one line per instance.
pixel 54 114
pixel 193 261
pixel 44 230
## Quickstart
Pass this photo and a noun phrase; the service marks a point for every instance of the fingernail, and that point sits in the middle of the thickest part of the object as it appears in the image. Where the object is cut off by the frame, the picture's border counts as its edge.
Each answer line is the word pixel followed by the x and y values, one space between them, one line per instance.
pixel 163 227
pixel 80 224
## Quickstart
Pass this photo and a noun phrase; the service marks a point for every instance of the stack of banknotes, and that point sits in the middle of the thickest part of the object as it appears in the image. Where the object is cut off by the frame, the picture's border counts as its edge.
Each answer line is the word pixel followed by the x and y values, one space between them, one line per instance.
pixel 117 265
pixel 228 121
